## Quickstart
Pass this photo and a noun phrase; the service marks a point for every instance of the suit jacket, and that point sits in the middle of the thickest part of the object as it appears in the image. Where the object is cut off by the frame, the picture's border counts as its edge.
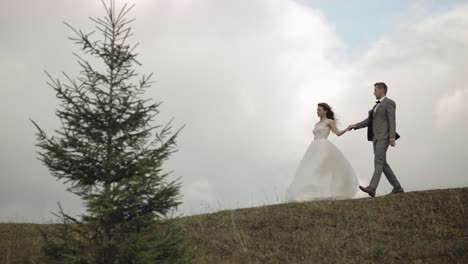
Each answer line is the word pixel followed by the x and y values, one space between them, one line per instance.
pixel 381 124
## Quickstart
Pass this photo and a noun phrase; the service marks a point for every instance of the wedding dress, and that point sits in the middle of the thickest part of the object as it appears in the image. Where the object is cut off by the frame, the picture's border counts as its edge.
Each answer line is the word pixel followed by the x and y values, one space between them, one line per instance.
pixel 324 172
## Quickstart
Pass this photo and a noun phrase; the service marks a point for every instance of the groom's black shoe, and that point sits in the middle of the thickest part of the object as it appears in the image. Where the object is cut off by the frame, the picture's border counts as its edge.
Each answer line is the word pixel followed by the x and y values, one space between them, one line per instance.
pixel 397 190
pixel 369 190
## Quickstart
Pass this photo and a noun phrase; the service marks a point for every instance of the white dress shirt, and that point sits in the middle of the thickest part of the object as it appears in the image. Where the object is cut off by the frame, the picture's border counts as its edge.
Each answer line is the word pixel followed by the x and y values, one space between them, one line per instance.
pixel 381 99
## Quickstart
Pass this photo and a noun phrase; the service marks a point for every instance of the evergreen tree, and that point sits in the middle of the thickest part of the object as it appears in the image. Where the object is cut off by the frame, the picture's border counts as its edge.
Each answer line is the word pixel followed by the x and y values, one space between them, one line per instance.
pixel 110 152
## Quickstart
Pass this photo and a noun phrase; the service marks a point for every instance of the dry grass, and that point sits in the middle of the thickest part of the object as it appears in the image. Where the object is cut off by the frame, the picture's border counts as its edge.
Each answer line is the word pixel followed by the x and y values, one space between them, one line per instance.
pixel 417 227
pixel 20 243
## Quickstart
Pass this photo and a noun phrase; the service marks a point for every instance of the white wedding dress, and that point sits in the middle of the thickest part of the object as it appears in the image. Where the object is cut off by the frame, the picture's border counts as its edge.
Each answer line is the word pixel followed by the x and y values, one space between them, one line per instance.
pixel 324 172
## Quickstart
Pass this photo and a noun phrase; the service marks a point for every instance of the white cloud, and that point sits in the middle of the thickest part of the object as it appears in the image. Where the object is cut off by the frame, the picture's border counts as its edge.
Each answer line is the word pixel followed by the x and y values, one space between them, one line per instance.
pixel 198 196
pixel 424 65
pixel 245 78
pixel 452 108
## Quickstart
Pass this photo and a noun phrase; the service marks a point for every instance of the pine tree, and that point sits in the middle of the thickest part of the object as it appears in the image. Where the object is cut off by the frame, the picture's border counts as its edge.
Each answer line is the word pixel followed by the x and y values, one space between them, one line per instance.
pixel 110 152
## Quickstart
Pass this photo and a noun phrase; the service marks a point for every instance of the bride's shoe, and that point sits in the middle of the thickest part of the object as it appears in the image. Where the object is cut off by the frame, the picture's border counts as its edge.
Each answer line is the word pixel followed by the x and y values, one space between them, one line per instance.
pixel 368 190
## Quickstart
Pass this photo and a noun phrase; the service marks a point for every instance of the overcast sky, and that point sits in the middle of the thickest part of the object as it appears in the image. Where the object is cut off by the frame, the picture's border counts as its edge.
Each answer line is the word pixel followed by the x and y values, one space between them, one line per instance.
pixel 245 78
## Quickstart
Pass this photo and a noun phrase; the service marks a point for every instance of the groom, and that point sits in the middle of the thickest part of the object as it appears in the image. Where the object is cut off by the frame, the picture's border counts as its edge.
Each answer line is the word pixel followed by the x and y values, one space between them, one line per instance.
pixel 381 131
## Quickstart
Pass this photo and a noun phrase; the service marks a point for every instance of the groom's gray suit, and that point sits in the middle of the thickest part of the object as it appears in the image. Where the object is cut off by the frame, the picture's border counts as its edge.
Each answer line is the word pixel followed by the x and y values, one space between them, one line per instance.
pixel 381 126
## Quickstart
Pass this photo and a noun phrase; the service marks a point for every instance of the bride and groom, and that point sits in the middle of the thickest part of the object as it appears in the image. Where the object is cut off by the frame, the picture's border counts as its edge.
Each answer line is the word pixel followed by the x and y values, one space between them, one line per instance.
pixel 324 172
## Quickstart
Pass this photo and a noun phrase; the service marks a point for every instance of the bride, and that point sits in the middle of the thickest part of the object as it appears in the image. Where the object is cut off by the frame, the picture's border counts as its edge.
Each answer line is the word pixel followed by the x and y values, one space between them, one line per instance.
pixel 324 172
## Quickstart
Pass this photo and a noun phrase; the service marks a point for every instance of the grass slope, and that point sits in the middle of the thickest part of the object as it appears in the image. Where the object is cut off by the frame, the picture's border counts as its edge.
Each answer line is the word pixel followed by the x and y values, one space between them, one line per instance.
pixel 415 227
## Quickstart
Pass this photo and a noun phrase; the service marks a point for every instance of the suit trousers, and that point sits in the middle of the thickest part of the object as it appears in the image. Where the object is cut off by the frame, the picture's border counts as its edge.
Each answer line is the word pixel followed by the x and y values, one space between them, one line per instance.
pixel 381 165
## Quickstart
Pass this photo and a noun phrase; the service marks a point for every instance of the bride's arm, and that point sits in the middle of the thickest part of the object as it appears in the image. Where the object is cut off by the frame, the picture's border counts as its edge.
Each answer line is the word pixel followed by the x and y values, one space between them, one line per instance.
pixel 335 130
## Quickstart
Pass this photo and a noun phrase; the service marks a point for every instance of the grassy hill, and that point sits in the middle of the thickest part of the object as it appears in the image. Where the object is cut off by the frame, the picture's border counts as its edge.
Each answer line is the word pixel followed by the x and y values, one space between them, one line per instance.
pixel 416 227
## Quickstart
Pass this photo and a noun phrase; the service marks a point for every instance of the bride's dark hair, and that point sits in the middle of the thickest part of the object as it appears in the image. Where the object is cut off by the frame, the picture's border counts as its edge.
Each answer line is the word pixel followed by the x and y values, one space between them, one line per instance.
pixel 330 113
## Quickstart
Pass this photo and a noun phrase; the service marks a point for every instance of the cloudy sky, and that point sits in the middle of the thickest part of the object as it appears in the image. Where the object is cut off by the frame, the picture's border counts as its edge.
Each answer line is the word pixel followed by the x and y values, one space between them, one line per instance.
pixel 245 78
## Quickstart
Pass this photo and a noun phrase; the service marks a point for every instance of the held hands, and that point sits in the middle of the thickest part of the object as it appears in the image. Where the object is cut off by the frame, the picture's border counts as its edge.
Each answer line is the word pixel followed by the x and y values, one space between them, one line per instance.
pixel 350 127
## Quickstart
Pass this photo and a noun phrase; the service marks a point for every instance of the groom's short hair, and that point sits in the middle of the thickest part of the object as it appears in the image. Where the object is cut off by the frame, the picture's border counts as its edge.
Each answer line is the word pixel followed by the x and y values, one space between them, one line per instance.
pixel 381 85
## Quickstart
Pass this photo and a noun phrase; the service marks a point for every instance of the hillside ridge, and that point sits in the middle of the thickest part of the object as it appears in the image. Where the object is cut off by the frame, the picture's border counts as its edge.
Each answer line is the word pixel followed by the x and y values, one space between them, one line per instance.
pixel 415 227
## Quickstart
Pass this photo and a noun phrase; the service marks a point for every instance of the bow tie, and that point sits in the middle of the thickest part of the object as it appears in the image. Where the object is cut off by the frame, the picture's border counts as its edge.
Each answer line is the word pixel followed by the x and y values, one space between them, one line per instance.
pixel 378 102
